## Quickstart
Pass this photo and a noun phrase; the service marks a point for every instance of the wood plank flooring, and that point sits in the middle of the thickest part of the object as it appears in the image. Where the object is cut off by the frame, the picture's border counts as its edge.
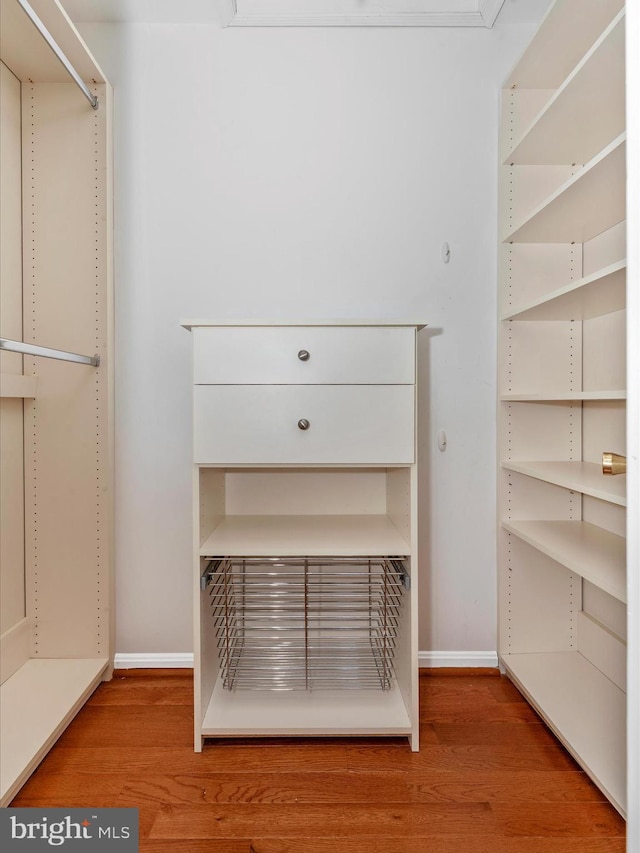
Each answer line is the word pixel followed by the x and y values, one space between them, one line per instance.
pixel 489 778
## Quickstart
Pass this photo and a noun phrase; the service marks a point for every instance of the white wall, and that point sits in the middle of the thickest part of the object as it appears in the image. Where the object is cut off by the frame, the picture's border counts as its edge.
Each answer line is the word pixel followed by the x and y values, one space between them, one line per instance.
pixel 305 173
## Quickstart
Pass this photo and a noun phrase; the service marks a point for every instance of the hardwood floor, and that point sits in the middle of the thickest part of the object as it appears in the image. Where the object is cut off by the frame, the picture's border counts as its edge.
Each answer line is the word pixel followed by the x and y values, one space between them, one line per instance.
pixel 489 778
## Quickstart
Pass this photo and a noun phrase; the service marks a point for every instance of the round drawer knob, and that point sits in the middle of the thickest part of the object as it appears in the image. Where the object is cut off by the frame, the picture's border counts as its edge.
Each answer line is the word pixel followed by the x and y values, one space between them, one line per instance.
pixel 304 355
pixel 303 423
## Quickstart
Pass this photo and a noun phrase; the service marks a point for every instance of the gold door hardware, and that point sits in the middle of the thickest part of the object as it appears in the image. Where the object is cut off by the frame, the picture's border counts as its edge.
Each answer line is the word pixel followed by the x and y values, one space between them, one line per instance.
pixel 613 463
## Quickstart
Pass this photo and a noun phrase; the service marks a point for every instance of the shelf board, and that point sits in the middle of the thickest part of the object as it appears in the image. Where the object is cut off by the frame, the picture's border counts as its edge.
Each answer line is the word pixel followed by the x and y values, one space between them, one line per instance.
pixel 602 292
pixel 305 713
pixel 564 36
pixel 584 477
pixel 590 551
pixel 17 385
pixel 583 708
pixel 590 202
pixel 563 396
pixel 38 702
pixel 585 113
pixel 305 535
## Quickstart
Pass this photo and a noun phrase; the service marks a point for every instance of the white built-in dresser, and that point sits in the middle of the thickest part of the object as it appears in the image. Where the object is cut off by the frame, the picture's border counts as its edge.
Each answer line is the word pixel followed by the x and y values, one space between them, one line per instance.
pixel 305 534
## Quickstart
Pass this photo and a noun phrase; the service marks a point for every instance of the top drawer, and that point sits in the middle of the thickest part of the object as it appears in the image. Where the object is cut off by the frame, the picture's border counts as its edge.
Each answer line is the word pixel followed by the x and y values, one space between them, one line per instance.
pixel 303 355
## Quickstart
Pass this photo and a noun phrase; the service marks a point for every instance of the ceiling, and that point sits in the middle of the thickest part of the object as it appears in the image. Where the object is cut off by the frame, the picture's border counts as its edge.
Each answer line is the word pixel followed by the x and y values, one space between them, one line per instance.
pixel 408 13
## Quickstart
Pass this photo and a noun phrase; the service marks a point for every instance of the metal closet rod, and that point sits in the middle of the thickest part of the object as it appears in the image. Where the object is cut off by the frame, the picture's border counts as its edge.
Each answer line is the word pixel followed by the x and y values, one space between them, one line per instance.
pixel 47 352
pixel 55 47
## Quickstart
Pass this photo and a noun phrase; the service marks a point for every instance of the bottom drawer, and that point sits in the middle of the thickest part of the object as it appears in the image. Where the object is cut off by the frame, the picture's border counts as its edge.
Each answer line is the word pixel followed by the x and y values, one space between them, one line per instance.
pixel 347 424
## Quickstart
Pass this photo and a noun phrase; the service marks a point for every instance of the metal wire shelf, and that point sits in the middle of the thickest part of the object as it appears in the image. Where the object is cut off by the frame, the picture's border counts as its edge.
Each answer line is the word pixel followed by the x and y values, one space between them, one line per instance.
pixel 306 623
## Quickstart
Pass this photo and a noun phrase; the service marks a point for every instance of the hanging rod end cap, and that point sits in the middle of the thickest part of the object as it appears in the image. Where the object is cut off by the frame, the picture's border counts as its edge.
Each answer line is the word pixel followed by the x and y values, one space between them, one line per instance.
pixel 95 103
pixel 96 360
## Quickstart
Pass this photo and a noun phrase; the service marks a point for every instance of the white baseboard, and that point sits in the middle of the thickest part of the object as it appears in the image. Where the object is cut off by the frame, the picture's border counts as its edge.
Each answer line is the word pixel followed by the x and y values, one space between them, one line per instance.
pixel 455 659
pixel 149 660
pixel 184 660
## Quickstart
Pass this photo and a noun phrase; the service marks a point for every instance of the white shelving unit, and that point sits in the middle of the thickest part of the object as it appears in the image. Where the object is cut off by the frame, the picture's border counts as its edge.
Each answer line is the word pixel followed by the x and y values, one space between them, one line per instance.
pixel 56 435
pixel 304 486
pixel 563 582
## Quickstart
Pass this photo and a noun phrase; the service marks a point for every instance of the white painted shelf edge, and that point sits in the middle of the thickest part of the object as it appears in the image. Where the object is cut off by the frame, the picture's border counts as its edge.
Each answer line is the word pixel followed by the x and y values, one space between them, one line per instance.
pixel 305 535
pixel 17 385
pixel 580 179
pixel 567 396
pixel 190 324
pixel 566 91
pixel 38 702
pixel 583 708
pixel 584 477
pixel 590 551
pixel 607 279
pixel 302 713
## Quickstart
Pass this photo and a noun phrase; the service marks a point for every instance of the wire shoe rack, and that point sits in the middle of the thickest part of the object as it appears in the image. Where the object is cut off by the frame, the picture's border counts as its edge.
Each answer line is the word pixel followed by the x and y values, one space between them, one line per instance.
pixel 306 623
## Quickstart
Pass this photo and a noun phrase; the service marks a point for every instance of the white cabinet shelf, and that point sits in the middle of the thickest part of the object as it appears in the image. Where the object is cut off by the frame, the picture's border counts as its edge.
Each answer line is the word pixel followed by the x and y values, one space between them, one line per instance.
pixel 38 702
pixel 566 396
pixel 590 551
pixel 305 714
pixel 594 295
pixel 309 535
pixel 583 707
pixel 585 477
pixel 16 385
pixel 565 131
pixel 589 203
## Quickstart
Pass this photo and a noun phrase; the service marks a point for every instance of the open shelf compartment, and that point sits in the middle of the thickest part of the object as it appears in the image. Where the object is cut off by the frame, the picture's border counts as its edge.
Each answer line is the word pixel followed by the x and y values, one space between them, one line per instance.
pixel 586 549
pixel 601 292
pixel 566 34
pixel 299 511
pixel 38 702
pixel 326 713
pixel 583 708
pixel 589 203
